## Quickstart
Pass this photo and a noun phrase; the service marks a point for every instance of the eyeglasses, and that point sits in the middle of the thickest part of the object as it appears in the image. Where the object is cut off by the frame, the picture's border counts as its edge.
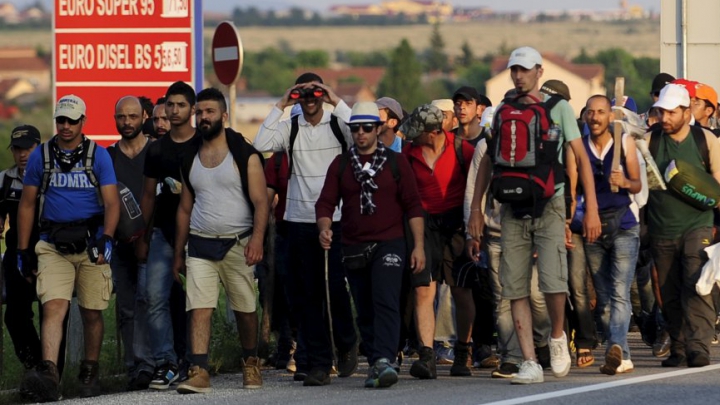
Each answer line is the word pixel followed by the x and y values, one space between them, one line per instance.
pixel 63 120
pixel 365 127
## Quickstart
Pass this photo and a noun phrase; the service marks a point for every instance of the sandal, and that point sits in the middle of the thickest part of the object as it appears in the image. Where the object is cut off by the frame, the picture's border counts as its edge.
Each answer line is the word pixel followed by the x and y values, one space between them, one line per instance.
pixel 585 358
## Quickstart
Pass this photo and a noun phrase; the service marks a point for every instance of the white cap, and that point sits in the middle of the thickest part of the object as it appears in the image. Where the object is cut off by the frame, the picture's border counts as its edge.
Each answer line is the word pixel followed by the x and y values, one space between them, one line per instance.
pixel 673 96
pixel 487 117
pixel 70 106
pixel 526 57
pixel 444 104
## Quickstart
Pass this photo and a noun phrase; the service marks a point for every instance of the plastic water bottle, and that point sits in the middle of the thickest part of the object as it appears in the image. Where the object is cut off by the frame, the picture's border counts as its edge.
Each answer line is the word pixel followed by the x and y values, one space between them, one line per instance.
pixel 554 133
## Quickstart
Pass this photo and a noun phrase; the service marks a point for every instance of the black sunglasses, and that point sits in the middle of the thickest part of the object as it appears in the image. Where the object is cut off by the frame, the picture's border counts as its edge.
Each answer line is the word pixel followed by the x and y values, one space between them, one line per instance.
pixel 365 127
pixel 63 120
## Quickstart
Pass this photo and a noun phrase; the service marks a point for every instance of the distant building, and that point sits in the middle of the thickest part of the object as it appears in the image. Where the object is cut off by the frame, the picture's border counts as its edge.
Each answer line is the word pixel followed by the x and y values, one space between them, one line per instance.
pixel 10 89
pixel 24 63
pixel 583 80
pixel 434 10
pixel 369 76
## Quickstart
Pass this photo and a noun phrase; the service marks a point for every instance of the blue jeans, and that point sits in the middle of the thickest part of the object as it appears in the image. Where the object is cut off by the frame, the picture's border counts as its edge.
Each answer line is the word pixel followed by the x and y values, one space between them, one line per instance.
pixel 613 270
pixel 154 285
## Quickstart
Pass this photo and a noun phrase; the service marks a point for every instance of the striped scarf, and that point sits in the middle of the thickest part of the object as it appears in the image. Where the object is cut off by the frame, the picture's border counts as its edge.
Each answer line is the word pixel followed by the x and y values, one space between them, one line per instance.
pixel 365 176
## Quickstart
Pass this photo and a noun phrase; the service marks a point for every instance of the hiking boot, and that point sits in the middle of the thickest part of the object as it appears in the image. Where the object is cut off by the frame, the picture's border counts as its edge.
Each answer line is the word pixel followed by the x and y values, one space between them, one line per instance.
pixel 164 376
pixel 316 377
pixel 530 373
pixel 505 370
pixel 661 347
pixel 613 360
pixel 460 363
pixel 560 356
pixel 424 368
pixel 347 362
pixel 543 356
pixel 89 382
pixel 381 375
pixel 198 382
pixel 698 359
pixel 675 360
pixel 43 383
pixel 252 379
pixel 140 382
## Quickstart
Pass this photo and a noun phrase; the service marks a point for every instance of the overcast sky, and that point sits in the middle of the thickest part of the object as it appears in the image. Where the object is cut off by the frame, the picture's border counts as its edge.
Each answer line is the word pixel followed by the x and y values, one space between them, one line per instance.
pixel 323 5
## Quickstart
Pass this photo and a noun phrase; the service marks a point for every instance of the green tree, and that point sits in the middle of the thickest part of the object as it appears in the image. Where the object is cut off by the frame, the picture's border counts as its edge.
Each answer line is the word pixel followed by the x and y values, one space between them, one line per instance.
pixel 467 57
pixel 315 58
pixel 270 70
pixel 474 75
pixel 435 57
pixel 402 77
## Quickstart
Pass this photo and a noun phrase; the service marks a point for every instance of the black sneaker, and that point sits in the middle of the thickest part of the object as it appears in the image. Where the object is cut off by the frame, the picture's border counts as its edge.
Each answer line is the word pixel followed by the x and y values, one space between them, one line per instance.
pixel 347 362
pixel 675 360
pixel 140 382
pixel 506 370
pixel 698 359
pixel 164 376
pixel 42 384
pixel 460 362
pixel 89 382
pixel 424 368
pixel 183 367
pixel 316 377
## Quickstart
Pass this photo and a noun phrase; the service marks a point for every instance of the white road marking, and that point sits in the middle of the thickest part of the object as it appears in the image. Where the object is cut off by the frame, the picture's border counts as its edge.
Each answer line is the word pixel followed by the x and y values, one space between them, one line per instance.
pixel 603 386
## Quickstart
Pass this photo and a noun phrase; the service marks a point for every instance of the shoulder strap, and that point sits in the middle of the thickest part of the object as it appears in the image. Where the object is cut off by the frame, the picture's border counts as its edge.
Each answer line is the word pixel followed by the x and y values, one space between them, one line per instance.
pixel 294 128
pixel 654 144
pixel 241 151
pixel 552 102
pixel 335 127
pixel 342 164
pixel 277 159
pixel 701 142
pixel 459 153
pixel 47 158
pixel 89 162
pixel 112 151
pixel 6 186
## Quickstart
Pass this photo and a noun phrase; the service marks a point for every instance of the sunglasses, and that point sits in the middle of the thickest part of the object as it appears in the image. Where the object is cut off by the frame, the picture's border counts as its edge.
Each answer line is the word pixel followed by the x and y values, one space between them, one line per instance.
pixel 365 127
pixel 63 120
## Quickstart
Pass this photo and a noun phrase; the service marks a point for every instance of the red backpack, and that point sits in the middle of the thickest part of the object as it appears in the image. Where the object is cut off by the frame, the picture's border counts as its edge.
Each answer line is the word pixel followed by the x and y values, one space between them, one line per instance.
pixel 524 152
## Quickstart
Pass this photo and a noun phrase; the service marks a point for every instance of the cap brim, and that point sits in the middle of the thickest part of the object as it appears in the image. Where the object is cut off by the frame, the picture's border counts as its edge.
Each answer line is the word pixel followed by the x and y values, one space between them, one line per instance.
pixel 525 64
pixel 464 95
pixel 364 121
pixel 666 105
pixel 23 143
pixel 73 115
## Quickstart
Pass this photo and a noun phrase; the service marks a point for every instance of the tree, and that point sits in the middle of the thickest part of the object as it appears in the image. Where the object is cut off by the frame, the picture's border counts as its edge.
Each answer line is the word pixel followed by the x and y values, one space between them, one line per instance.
pixel 475 75
pixel 402 77
pixel 312 59
pixel 467 56
pixel 435 57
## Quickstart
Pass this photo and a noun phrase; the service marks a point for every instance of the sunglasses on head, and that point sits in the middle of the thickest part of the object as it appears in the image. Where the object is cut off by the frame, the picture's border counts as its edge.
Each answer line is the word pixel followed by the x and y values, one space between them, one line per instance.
pixel 365 127
pixel 63 120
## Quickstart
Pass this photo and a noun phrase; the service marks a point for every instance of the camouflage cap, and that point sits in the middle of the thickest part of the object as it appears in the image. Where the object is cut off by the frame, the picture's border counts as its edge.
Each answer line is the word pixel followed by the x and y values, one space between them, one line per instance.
pixel 425 118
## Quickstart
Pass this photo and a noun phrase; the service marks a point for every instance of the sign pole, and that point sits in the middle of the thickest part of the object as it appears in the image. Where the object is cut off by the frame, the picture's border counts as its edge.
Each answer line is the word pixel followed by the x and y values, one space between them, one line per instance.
pixel 232 95
pixel 227 57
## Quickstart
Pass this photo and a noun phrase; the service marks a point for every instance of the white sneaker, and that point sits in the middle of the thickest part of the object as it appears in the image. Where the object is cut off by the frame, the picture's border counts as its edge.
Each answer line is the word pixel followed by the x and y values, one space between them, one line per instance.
pixel 559 356
pixel 626 367
pixel 530 373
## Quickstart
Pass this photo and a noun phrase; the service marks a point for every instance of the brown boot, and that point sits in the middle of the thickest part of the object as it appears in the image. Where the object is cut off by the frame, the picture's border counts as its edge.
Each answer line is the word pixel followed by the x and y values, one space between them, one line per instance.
pixel 198 382
pixel 252 379
pixel 89 379
pixel 42 384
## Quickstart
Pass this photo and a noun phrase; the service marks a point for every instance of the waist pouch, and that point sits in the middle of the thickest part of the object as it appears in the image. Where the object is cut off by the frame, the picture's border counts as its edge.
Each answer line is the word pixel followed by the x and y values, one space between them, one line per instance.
pixel 213 248
pixel 70 239
pixel 610 221
pixel 356 257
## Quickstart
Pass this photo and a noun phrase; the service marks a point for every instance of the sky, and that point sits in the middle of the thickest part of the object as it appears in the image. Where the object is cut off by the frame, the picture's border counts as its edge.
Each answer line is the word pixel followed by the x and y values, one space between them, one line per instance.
pixel 323 5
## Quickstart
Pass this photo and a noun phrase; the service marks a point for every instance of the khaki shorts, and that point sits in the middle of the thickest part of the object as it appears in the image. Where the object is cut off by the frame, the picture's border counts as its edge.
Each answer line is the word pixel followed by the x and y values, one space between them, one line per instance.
pixel 204 277
pixel 520 238
pixel 59 275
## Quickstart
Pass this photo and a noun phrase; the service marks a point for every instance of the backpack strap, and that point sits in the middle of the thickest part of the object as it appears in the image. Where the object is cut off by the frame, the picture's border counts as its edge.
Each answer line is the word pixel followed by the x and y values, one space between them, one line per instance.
pixel 551 102
pixel 48 160
pixel 6 187
pixel 335 127
pixel 89 162
pixel 277 159
pixel 112 151
pixel 458 143
pixel 294 128
pixel 654 144
pixel 701 142
pixel 241 150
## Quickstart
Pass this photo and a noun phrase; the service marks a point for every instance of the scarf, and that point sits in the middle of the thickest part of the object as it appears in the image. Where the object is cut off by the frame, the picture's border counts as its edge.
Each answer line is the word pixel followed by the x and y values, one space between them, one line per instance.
pixel 67 159
pixel 365 176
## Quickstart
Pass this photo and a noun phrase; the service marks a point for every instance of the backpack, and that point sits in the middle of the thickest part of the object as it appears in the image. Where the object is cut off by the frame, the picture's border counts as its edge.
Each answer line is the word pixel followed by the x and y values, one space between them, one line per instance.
pixel 697 134
pixel 295 127
pixel 131 223
pixel 525 154
pixel 48 158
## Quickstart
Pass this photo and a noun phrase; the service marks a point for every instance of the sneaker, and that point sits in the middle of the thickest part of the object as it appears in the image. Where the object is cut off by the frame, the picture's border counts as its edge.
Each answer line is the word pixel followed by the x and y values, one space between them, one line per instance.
pixel 381 375
pixel 460 363
pixel 316 378
pixel 530 373
pixel 505 370
pixel 183 367
pixel 252 379
pixel 483 357
pixel 140 382
pixel 675 360
pixel 698 359
pixel 164 376
pixel 613 360
pixel 444 353
pixel 347 362
pixel 661 347
pixel 543 356
pixel 559 356
pixel 424 368
pixel 89 382
pixel 198 382
pixel 43 383
pixel 625 367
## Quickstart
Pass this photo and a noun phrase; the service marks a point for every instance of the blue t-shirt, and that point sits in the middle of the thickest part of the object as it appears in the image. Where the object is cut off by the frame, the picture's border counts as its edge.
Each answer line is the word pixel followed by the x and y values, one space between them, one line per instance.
pixel 396 145
pixel 71 196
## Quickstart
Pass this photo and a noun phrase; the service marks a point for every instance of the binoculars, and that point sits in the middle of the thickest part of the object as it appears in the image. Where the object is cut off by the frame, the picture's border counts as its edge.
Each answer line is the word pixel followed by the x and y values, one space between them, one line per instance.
pixel 314 92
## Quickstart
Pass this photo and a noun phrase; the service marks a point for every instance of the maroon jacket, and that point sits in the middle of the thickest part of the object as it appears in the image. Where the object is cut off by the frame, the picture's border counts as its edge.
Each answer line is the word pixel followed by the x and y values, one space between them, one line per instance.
pixel 392 199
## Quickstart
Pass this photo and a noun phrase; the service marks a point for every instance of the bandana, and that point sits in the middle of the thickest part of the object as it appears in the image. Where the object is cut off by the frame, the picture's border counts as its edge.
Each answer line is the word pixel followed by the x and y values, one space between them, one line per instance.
pixel 365 176
pixel 67 158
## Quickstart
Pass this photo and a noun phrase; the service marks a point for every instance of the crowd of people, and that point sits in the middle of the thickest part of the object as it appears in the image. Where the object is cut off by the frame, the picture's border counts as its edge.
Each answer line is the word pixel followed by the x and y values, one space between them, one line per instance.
pixel 408 216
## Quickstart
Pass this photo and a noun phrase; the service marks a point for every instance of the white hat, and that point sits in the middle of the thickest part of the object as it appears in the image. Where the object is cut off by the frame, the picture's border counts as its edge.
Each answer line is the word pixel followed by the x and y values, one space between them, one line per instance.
pixel 70 106
pixel 444 104
pixel 487 117
pixel 526 57
pixel 364 111
pixel 673 96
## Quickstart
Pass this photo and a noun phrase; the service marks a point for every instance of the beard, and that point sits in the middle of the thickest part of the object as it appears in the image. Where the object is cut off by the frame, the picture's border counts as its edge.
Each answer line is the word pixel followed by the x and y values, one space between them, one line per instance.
pixel 210 130
pixel 132 135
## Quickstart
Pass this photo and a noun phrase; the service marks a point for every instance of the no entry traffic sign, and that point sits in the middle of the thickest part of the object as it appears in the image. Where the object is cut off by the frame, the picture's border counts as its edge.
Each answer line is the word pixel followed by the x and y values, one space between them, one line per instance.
pixel 227 53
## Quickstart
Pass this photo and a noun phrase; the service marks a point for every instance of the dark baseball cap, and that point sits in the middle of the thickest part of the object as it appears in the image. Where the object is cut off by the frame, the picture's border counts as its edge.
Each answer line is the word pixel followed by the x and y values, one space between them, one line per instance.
pixel 25 137
pixel 660 81
pixel 466 92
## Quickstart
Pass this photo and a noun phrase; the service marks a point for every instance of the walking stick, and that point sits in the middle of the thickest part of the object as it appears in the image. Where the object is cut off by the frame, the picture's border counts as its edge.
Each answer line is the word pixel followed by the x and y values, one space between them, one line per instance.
pixel 329 312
